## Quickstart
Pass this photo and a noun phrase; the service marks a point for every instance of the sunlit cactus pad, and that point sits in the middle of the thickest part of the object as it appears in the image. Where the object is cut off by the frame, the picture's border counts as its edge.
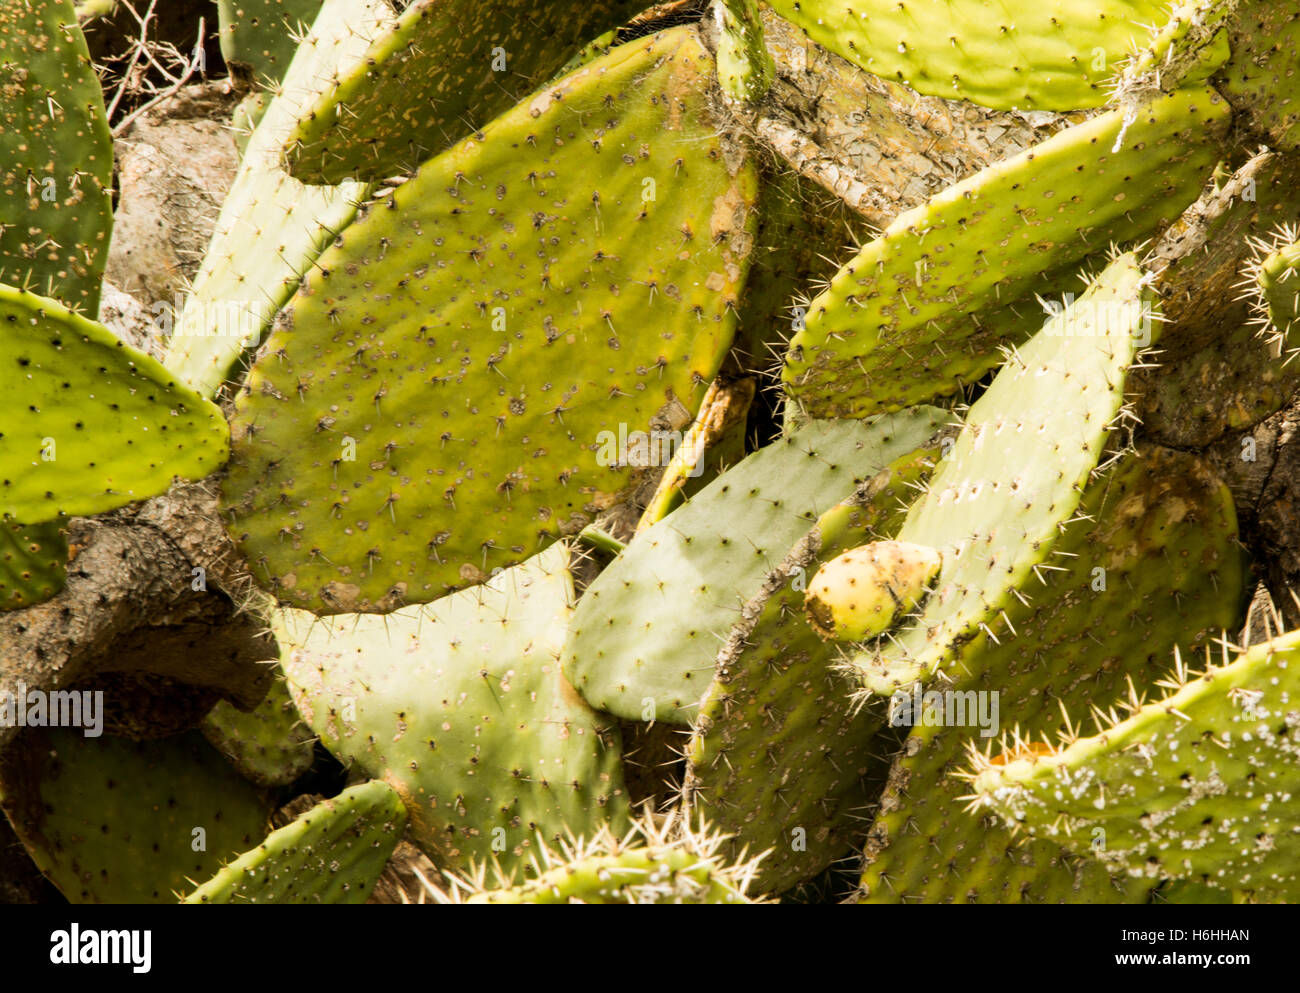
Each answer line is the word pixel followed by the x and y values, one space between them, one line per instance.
pixel 441 396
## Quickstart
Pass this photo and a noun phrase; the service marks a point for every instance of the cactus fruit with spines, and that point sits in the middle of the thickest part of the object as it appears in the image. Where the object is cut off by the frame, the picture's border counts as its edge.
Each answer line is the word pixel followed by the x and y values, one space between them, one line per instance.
pixel 780 749
pixel 490 271
pixel 864 592
pixel 702 562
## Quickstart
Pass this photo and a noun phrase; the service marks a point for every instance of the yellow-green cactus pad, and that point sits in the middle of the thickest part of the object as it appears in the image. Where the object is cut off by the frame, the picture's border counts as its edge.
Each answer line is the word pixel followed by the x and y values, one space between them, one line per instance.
pixel 93 424
pixel 444 69
pixel 456 383
pixel 929 304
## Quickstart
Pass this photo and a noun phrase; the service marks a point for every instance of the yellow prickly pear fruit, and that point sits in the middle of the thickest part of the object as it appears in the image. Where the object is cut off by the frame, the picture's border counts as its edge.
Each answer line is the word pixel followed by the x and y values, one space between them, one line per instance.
pixel 862 593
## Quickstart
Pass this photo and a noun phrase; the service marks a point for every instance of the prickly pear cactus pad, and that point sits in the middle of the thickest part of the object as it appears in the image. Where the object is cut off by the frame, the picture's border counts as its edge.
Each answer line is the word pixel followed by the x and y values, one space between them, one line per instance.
pixel 927 305
pixel 660 859
pixel 1197 784
pixel 263 35
pixel 56 156
pixel 333 853
pixel 445 68
pixel 99 424
pixel 780 757
pixel 460 707
pixel 1150 561
pixel 1053 55
pixel 1260 78
pixel 32 563
pixel 454 385
pixel 115 821
pixel 644 639
pixel 1016 473
pixel 270 745
pixel 271 226
pixel 1275 291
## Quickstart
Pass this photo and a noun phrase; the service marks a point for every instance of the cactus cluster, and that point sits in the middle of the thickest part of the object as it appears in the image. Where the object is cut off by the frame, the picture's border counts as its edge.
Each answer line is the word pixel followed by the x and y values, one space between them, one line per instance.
pixel 568 475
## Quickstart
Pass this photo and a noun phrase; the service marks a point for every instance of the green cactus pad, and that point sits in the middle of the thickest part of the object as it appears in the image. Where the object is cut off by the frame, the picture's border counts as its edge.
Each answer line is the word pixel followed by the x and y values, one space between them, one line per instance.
pixel 647 631
pixel 333 853
pixel 1187 49
pixel 1260 78
pixel 271 226
pixel 659 860
pixel 449 390
pixel 780 757
pixel 1278 294
pixel 56 157
pixel 264 34
pixel 1054 55
pixel 33 563
pixel 115 821
pixel 745 67
pixel 98 425
pixel 926 306
pixel 268 745
pixel 1016 473
pixel 1150 561
pixel 638 876
pixel 460 706
pixel 1196 784
pixel 444 69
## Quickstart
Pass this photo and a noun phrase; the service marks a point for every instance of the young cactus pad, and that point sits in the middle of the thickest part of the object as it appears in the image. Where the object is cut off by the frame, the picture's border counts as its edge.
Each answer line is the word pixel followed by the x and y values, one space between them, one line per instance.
pixel 1044 55
pixel 928 305
pixel 443 69
pixel 1200 784
pixel 1016 473
pixel 334 853
pixel 644 639
pixel 460 707
pixel 863 592
pixel 100 425
pixel 449 388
